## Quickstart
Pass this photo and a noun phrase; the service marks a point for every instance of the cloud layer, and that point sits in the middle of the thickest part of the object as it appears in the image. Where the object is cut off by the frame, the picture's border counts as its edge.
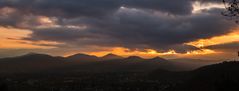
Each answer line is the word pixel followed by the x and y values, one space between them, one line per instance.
pixel 161 25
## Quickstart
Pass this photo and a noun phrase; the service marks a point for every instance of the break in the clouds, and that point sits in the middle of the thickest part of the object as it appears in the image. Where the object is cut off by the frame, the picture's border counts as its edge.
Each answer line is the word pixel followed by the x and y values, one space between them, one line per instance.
pixel 180 7
pixel 161 25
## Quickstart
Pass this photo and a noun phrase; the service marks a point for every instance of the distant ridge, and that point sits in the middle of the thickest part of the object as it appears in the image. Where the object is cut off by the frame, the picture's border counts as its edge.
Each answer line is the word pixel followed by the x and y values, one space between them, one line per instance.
pixel 134 58
pixel 111 57
pixel 157 59
pixel 193 63
pixel 32 57
pixel 34 62
pixel 82 58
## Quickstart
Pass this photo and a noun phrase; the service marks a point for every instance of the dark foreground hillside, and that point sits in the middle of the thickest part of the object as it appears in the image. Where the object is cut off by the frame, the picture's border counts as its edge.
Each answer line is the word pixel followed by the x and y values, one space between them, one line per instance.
pixel 217 77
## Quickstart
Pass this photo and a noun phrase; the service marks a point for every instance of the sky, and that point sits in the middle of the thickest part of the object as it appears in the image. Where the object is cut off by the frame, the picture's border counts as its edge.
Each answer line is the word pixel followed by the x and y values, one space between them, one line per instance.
pixel 147 28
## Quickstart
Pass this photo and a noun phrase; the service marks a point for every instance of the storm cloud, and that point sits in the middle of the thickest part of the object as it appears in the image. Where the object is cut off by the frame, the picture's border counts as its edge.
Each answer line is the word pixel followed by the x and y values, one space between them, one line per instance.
pixel 225 47
pixel 95 8
pixel 132 28
pixel 64 8
pixel 161 25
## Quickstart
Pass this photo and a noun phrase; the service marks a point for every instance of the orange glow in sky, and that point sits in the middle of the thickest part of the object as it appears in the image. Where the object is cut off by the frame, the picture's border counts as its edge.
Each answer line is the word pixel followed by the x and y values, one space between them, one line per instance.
pixel 231 37
pixel 11 39
pixel 149 53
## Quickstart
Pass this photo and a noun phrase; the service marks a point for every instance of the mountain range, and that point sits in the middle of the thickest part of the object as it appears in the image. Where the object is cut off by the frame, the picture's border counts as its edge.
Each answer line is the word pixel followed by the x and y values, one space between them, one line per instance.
pixel 34 62
pixel 171 75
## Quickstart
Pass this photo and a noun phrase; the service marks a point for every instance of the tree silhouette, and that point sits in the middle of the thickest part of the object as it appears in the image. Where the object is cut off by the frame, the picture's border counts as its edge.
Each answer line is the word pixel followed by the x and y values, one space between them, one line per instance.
pixel 232 9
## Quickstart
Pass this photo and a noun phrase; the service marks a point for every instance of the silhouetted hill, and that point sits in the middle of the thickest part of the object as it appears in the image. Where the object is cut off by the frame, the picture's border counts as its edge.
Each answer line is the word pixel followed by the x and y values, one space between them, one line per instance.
pixel 80 63
pixel 192 64
pixel 134 59
pixel 217 77
pixel 111 57
pixel 134 72
pixel 220 67
pixel 83 58
pixel 158 73
pixel 158 59
pixel 30 62
pixel 167 64
pixel 135 63
pixel 32 57
pixel 86 63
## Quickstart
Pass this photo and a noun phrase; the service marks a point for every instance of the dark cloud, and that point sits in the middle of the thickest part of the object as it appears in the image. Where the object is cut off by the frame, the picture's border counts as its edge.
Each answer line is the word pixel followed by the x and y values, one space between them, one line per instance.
pixel 226 47
pixel 64 8
pixel 26 11
pixel 94 8
pixel 135 28
pixel 142 24
pixel 10 17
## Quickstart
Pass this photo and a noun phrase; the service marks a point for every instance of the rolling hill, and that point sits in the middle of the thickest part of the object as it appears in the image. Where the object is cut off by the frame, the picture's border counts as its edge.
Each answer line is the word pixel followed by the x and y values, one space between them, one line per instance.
pixel 34 62
pixel 216 77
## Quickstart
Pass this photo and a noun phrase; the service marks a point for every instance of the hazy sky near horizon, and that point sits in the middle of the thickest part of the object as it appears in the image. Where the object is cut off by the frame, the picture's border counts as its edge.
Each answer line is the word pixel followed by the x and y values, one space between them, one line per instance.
pixel 147 28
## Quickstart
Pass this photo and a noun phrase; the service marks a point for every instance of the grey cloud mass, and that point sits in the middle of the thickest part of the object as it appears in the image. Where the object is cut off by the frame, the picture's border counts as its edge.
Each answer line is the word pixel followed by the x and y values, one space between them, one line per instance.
pixel 226 47
pixel 135 24
pixel 95 8
pixel 64 8
pixel 140 29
